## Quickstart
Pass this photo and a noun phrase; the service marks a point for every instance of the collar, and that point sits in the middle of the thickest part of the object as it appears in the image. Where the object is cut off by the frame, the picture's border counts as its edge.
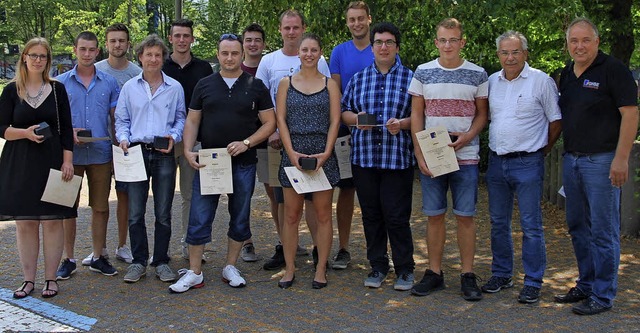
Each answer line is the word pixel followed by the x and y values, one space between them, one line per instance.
pixel 523 74
pixel 393 68
pixel 165 79
pixel 171 61
pixel 98 74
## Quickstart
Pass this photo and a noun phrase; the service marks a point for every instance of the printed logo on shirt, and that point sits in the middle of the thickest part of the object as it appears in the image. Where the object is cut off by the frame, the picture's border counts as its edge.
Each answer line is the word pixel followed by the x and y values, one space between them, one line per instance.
pixel 590 84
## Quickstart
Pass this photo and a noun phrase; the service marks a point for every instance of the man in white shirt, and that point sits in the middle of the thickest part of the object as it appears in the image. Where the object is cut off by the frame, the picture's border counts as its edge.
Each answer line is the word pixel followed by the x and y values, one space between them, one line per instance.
pixel 525 123
pixel 273 67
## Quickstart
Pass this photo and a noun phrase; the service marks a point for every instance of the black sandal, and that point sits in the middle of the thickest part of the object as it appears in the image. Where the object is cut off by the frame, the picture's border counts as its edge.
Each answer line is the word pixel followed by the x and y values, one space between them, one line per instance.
pixel 47 289
pixel 23 291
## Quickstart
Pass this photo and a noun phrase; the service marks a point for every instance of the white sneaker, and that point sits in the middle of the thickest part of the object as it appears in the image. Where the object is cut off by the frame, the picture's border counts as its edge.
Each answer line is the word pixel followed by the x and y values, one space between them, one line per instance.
pixel 231 275
pixel 187 281
pixel 123 254
pixel 87 261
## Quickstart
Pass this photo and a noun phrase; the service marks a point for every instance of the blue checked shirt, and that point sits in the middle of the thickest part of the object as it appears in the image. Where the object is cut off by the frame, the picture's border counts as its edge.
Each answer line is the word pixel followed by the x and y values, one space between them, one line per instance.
pixel 385 96
pixel 91 109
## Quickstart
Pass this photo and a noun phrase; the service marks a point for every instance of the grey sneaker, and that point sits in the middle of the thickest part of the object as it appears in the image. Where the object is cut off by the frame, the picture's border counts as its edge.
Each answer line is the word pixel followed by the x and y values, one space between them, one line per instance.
pixel 165 273
pixel 248 253
pixel 374 279
pixel 341 260
pixel 134 273
pixel 301 251
pixel 404 282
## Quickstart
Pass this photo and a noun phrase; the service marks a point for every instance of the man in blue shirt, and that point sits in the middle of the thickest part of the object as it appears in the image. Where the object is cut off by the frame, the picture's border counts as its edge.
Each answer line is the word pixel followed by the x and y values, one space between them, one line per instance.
pixel 382 158
pixel 93 96
pixel 347 59
pixel 151 106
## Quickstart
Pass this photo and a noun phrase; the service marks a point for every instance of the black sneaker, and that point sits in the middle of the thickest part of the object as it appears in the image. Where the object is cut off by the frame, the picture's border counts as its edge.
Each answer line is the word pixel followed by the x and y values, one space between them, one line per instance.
pixel 496 284
pixel 277 261
pixel 469 287
pixel 589 307
pixel 67 267
pixel 572 296
pixel 341 260
pixel 529 294
pixel 430 282
pixel 102 265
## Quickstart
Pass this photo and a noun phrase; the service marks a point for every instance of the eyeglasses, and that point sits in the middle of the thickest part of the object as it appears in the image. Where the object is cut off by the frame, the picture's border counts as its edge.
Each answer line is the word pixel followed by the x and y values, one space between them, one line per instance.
pixel 506 54
pixel 388 42
pixel 229 37
pixel 452 41
pixel 34 56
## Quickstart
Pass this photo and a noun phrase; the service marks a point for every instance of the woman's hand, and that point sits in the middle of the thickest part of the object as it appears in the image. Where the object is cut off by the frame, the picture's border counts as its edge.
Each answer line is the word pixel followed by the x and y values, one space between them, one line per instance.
pixel 30 133
pixel 322 159
pixel 67 171
pixel 294 157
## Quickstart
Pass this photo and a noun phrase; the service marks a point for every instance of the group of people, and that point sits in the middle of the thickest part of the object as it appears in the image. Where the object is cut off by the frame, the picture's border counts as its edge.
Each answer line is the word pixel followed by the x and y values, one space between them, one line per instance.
pixel 293 100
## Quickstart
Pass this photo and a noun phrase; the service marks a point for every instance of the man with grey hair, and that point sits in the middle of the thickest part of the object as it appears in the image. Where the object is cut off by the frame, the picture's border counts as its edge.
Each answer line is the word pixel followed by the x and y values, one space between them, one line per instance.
pixel 151 113
pixel 598 99
pixel 525 124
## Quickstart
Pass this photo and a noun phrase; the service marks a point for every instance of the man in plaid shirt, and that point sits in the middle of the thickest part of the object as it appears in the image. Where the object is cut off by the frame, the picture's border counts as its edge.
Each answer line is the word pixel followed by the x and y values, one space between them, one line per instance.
pixel 382 159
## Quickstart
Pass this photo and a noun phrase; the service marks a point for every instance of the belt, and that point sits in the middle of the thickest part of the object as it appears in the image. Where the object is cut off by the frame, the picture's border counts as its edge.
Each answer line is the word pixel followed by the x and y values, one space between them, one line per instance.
pixel 518 153
pixel 579 154
pixel 144 145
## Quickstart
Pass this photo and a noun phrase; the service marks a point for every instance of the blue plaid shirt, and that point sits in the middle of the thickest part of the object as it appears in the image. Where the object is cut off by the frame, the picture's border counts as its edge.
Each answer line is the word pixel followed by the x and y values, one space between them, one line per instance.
pixel 385 96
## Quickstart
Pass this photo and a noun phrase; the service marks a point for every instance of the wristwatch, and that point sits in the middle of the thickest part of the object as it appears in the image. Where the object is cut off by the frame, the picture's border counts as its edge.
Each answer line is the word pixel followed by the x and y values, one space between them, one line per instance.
pixel 247 143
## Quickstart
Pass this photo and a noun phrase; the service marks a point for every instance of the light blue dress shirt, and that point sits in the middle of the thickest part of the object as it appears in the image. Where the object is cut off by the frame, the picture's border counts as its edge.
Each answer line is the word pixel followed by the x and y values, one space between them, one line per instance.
pixel 141 116
pixel 91 109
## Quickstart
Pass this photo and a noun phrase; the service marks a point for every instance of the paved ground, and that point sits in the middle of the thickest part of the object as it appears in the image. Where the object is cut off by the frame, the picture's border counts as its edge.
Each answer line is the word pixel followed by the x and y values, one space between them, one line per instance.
pixel 89 301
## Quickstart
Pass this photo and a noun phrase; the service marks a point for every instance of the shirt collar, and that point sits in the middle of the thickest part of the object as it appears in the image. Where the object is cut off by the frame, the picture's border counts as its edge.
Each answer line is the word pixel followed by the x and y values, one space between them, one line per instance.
pixel 523 74
pixel 393 68
pixel 98 74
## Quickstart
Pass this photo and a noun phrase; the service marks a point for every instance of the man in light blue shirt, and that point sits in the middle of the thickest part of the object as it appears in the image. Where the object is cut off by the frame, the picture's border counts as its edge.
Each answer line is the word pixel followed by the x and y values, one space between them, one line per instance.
pixel 151 106
pixel 93 96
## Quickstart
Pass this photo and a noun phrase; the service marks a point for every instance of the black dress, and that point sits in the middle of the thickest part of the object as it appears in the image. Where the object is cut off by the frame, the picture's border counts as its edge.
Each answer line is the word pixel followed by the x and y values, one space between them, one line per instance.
pixel 24 164
pixel 308 123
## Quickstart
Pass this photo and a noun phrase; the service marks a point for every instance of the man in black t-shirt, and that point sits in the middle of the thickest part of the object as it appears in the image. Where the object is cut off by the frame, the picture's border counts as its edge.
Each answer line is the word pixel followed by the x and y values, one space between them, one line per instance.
pixel 188 70
pixel 224 113
pixel 598 100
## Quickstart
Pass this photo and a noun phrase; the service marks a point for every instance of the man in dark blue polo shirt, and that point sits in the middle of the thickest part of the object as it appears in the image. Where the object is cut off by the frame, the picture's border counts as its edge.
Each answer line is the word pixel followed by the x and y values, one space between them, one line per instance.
pixel 598 100
pixel 188 70
pixel 224 112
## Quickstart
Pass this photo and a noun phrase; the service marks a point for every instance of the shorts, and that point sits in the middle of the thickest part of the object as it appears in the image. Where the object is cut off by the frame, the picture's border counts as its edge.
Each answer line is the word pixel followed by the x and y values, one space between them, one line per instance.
pixel 99 183
pixel 464 192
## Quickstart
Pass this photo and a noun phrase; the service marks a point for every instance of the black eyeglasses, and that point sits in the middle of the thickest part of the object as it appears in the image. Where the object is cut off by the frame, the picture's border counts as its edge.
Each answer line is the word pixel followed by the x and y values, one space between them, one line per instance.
pixel 229 37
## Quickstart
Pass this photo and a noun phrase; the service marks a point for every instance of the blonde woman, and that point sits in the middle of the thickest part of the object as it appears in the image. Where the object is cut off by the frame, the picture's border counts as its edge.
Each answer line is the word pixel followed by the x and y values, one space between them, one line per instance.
pixel 26 103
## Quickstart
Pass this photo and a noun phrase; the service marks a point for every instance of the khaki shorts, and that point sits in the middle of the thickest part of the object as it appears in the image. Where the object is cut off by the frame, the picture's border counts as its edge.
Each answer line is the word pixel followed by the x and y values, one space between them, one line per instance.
pixel 99 181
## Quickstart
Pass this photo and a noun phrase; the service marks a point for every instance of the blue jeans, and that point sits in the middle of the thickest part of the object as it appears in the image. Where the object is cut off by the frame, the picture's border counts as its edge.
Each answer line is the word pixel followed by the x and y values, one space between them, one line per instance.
pixel 162 168
pixel 464 192
pixel 593 218
pixel 203 207
pixel 385 200
pixel 522 177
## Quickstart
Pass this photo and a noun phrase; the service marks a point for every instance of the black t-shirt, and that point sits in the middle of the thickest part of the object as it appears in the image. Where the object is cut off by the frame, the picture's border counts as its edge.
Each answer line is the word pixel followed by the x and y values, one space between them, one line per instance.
pixel 589 104
pixel 188 75
pixel 230 114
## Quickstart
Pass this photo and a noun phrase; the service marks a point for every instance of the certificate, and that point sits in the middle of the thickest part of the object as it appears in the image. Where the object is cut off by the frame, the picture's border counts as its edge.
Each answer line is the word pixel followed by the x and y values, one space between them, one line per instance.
pixel 262 168
pixel 434 144
pixel 343 154
pixel 274 158
pixel 307 181
pixel 129 167
pixel 59 192
pixel 216 176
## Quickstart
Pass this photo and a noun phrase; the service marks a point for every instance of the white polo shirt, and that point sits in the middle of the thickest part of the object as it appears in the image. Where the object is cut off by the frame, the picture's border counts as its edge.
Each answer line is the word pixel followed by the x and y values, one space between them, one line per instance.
pixel 520 111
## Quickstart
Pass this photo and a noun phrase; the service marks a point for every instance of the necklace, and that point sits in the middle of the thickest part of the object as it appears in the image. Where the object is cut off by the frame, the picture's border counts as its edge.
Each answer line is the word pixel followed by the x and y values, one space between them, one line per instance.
pixel 153 87
pixel 35 99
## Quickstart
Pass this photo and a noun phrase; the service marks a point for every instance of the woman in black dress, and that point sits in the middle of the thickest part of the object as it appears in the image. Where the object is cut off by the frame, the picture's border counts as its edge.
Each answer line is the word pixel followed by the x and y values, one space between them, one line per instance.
pixel 30 99
pixel 308 114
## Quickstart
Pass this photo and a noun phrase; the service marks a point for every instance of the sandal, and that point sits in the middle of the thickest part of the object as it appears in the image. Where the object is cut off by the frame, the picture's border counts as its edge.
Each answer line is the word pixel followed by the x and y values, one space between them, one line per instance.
pixel 22 293
pixel 52 292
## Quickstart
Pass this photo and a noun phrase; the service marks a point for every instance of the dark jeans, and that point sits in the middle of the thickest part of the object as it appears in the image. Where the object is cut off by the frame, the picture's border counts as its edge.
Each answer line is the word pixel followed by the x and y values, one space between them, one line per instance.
pixel 162 168
pixel 385 200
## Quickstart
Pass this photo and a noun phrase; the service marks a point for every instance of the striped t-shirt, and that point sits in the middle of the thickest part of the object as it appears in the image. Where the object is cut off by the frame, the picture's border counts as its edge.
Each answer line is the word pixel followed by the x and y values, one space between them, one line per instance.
pixel 450 95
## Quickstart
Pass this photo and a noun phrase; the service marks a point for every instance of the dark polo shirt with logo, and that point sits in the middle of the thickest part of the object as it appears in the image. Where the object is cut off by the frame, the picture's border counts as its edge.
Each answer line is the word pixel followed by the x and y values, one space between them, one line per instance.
pixel 589 104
